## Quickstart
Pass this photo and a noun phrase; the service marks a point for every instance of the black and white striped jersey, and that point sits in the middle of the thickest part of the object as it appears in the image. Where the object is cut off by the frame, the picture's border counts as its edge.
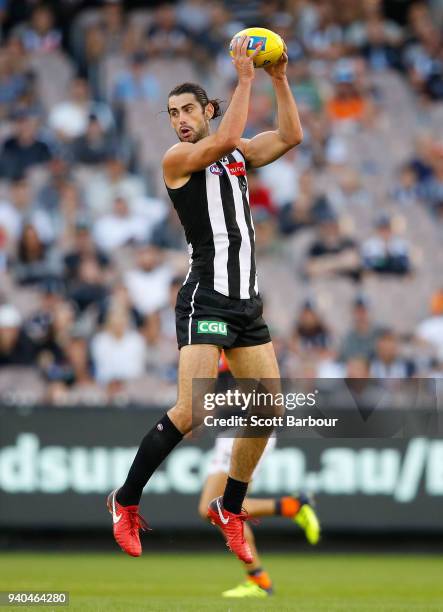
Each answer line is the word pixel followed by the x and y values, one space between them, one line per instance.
pixel 213 207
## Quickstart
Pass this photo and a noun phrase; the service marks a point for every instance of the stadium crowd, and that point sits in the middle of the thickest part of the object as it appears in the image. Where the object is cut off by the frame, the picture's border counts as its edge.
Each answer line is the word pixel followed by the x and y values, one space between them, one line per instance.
pixel 348 225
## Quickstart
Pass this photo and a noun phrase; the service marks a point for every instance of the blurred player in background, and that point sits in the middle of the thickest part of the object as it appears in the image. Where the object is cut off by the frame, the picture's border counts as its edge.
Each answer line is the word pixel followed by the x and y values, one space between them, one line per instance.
pixel 295 507
pixel 219 305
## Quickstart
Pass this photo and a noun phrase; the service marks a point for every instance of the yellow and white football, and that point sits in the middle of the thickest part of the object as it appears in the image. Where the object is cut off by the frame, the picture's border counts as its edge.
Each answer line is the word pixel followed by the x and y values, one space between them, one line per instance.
pixel 272 45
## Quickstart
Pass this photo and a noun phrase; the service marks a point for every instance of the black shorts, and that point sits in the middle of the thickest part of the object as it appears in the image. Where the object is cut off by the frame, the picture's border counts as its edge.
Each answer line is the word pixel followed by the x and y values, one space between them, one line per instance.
pixel 205 316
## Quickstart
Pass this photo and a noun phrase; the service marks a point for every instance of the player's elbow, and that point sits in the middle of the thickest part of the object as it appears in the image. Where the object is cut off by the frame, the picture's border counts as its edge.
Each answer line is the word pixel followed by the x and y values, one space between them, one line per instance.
pixel 295 139
pixel 227 144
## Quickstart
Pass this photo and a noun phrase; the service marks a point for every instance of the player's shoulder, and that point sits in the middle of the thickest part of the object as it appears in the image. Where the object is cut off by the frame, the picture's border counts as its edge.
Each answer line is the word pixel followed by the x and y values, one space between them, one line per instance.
pixel 175 151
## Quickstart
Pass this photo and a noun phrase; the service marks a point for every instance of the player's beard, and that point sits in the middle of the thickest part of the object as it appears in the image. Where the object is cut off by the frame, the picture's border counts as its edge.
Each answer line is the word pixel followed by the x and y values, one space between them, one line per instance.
pixel 195 135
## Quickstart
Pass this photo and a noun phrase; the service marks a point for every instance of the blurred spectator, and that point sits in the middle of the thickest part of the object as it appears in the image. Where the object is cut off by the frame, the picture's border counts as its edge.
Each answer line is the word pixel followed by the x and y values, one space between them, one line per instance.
pixel 349 192
pixel 431 188
pixel 24 148
pixel 19 207
pixel 422 56
pixel 95 146
pixel 111 181
pixel 357 367
pixel 120 227
pixel 265 228
pixel 40 35
pixel 281 178
pixel 304 86
pixel 112 25
pixel 381 48
pixel 168 233
pixel 431 329
pixel 119 298
pixel 387 361
pixel 405 190
pixel 136 83
pixel 148 282
pixel 299 213
pixel 324 41
pixel 310 332
pixel 166 37
pixel 118 352
pixel 195 15
pixel 16 347
pixel 386 252
pixel 69 119
pixel 211 43
pixel 90 58
pixel 52 125
pixel 35 262
pixel 332 253
pixel 424 156
pixel 84 248
pixel 10 220
pixel 12 84
pixel 360 339
pixel 38 324
pixel 53 359
pixel 89 288
pixel 377 37
pixel 160 335
pixel 51 192
pixel 347 103
pixel 259 194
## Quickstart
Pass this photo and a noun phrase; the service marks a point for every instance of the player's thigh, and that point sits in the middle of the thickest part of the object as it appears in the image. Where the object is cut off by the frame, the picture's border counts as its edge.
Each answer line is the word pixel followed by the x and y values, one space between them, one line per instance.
pixel 214 487
pixel 253 361
pixel 257 363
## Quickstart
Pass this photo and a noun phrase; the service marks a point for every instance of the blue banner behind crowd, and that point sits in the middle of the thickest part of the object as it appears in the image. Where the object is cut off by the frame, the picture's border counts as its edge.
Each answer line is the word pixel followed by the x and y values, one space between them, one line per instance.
pixel 57 466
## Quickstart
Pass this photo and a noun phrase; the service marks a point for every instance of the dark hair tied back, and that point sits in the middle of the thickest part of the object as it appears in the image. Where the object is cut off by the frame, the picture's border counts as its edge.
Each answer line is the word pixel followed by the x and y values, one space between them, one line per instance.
pixel 200 95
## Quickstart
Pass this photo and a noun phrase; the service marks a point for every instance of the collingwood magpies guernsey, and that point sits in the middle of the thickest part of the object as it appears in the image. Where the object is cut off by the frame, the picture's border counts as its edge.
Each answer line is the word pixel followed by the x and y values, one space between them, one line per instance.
pixel 213 207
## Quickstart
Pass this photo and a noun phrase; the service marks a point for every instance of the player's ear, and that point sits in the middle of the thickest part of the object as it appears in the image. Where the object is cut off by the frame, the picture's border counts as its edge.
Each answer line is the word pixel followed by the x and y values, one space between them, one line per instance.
pixel 209 111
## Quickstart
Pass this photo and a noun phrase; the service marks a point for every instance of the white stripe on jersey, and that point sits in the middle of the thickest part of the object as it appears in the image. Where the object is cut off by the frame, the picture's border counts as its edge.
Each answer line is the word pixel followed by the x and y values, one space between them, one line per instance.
pixel 219 231
pixel 245 247
pixel 191 314
pixel 190 250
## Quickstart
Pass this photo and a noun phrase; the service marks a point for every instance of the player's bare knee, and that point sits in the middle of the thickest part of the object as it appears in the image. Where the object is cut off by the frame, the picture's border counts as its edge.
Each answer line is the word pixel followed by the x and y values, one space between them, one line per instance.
pixel 181 416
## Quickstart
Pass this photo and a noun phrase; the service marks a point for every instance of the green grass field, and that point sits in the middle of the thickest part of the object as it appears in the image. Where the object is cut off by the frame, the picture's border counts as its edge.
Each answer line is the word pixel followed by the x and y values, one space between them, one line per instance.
pixel 168 583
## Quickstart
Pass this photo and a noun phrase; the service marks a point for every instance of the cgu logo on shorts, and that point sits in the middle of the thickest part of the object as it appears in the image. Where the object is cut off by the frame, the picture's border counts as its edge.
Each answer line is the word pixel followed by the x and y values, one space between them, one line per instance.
pixel 212 327
pixel 236 168
pixel 214 169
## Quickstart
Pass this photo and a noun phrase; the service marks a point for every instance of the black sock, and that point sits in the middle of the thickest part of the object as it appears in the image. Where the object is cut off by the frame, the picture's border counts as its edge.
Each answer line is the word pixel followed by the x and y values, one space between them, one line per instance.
pixel 234 495
pixel 154 448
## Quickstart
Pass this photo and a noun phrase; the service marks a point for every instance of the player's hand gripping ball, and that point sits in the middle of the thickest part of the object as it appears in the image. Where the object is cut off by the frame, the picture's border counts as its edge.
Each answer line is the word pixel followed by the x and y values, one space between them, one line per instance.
pixel 271 49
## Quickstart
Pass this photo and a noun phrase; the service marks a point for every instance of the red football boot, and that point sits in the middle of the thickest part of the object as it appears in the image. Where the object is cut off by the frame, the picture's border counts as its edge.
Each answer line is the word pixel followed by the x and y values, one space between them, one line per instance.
pixel 232 526
pixel 126 525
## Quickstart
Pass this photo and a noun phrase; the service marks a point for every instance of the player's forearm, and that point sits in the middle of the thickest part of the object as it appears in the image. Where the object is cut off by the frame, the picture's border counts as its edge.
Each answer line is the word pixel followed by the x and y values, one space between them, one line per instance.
pixel 233 124
pixel 289 126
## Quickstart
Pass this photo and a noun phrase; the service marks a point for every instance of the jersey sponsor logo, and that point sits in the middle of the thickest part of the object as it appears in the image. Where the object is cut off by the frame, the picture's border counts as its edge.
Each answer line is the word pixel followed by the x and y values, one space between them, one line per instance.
pixel 236 168
pixel 214 169
pixel 212 327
